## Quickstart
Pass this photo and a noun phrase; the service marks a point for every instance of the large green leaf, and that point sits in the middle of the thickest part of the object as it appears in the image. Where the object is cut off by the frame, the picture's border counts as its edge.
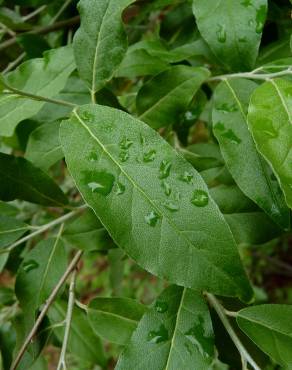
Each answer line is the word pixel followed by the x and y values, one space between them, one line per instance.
pixel 153 203
pixel 10 230
pixel 270 121
pixel 175 334
pixel 83 342
pixel 43 148
pixel 21 180
pixel 42 76
pixel 101 42
pixel 270 327
pixel 250 171
pixel 39 272
pixel 162 99
pixel 232 29
pixel 114 319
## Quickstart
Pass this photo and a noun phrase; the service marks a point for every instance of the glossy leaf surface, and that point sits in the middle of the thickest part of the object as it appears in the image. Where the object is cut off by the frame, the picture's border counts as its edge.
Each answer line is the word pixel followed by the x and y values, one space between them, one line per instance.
pixel 175 334
pixel 250 171
pixel 270 121
pixel 170 225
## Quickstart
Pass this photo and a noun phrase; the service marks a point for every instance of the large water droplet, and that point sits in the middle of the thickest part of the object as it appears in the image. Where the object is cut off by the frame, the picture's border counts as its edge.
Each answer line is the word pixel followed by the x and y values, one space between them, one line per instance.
pixel 161 306
pixel 260 18
pixel 126 143
pixel 149 156
pixel 152 218
pixel 30 265
pixel 187 177
pixel 166 187
pixel 221 33
pixel 230 135
pixel 124 155
pixel 200 198
pixel 100 182
pixel 227 107
pixel 87 116
pixel 120 188
pixel 164 169
pixel 158 336
pixel 171 206
pixel 92 157
pixel 196 335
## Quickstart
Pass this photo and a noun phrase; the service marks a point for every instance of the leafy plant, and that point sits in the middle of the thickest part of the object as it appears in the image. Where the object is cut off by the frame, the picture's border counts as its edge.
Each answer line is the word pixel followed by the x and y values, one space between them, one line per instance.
pixel 145 156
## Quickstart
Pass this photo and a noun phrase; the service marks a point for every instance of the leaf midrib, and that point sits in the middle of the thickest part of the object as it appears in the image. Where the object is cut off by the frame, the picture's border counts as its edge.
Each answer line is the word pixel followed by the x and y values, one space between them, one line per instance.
pixel 189 243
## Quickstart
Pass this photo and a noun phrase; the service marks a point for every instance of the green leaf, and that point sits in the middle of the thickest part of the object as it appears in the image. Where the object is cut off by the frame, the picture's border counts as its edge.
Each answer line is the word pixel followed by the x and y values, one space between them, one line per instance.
pixel 39 272
pixel 250 171
pixel 153 203
pixel 232 29
pixel 42 76
pixel 270 121
pixel 87 233
pixel 162 99
pixel 270 327
pixel 175 334
pixel 101 42
pixel 10 230
pixel 43 147
pixel 114 319
pixel 21 180
pixel 83 342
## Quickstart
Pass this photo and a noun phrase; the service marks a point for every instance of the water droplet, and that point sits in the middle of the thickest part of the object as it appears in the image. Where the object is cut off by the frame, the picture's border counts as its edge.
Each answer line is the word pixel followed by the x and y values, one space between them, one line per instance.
pixel 142 140
pixel 186 177
pixel 124 155
pixel 164 169
pixel 246 3
pixel 189 348
pixel 171 206
pixel 196 335
pixel 87 116
pixel 166 188
pixel 152 218
pixel 149 156
pixel 100 182
pixel 161 306
pixel 226 107
pixel 107 127
pixel 260 18
pixel 200 198
pixel 158 336
pixel 92 157
pixel 120 189
pixel 251 22
pixel 126 143
pixel 219 126
pixel 221 33
pixel 30 265
pixel 177 196
pixel 242 39
pixel 230 135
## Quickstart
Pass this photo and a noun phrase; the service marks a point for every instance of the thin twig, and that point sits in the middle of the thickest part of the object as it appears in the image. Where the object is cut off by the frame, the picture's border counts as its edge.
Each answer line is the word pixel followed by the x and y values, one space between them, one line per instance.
pixel 14 63
pixel 241 349
pixel 34 13
pixel 62 359
pixel 44 310
pixel 252 75
pixel 60 11
pixel 43 228
pixel 43 30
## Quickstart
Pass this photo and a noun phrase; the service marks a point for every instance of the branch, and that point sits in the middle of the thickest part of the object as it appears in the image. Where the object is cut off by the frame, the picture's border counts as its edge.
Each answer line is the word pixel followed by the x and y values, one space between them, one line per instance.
pixel 245 356
pixel 253 75
pixel 44 310
pixel 42 30
pixel 62 359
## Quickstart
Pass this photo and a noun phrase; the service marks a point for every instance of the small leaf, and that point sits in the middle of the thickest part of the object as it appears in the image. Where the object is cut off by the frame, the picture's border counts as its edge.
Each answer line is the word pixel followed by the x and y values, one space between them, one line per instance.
pixel 21 180
pixel 250 171
pixel 232 29
pixel 270 121
pixel 101 41
pixel 114 319
pixel 10 230
pixel 175 334
pixel 42 76
pixel 172 235
pixel 270 327
pixel 83 342
pixel 43 148
pixel 162 99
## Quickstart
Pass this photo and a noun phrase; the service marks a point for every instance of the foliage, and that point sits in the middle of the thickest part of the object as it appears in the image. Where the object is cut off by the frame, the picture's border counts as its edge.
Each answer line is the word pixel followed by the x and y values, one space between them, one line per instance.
pixel 146 184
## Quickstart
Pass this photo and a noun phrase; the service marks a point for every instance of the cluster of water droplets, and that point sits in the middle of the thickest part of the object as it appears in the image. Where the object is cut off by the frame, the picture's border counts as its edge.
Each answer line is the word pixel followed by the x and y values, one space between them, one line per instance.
pixel 220 126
